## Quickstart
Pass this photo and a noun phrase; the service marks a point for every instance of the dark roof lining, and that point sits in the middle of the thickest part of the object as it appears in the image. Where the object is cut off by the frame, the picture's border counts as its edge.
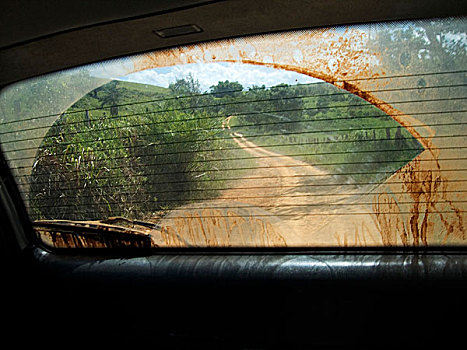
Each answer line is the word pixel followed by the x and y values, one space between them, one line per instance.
pixel 72 15
pixel 218 20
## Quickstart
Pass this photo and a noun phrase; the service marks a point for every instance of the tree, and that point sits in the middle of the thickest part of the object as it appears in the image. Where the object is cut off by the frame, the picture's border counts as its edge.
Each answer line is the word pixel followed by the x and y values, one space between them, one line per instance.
pixel 287 101
pixel 187 91
pixel 185 86
pixel 226 88
pixel 421 50
pixel 437 45
pixel 279 107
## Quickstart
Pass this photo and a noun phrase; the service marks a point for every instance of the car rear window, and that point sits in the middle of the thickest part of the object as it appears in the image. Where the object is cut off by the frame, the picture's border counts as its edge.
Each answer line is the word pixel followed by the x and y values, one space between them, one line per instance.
pixel 333 137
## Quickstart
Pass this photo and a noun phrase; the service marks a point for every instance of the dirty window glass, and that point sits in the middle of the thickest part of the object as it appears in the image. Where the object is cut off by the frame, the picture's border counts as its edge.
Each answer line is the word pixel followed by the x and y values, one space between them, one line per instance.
pixel 334 137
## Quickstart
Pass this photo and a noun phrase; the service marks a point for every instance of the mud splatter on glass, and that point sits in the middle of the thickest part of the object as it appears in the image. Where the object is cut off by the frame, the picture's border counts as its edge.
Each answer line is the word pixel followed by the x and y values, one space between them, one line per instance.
pixel 335 137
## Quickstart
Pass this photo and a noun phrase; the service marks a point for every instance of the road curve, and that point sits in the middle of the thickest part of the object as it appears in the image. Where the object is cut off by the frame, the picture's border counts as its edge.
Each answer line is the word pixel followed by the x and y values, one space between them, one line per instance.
pixel 282 202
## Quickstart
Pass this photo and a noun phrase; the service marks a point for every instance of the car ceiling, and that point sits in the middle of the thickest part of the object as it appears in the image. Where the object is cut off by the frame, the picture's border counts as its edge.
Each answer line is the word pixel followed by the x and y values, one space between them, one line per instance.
pixel 39 37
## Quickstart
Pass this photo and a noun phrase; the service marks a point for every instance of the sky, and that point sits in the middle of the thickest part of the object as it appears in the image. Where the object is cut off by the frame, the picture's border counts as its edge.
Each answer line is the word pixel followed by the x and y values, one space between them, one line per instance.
pixel 209 74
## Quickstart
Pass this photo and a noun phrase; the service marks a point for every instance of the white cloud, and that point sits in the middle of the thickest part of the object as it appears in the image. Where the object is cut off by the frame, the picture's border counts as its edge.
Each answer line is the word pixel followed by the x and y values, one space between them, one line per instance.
pixel 209 74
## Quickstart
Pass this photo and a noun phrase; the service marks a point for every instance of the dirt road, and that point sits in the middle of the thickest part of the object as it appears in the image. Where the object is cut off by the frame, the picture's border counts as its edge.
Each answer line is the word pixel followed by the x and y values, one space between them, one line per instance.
pixel 282 202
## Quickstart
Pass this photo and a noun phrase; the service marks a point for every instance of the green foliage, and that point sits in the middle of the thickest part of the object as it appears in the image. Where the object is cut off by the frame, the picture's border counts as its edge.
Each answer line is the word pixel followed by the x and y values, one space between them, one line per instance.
pixel 165 147
pixel 226 88
pixel 94 164
pixel 422 46
pixel 327 127
pixel 185 86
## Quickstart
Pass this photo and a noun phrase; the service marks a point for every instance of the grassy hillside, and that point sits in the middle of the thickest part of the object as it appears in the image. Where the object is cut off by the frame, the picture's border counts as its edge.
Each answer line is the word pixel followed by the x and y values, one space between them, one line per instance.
pixel 124 149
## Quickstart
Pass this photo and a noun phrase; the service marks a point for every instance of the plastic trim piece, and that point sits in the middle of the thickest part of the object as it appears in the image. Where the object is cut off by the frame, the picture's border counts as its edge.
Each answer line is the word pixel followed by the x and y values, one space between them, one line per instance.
pixel 258 267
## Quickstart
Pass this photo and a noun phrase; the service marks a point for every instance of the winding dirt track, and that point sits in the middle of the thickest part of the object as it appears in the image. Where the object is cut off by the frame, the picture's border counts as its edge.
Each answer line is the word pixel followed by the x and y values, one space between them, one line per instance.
pixel 306 199
pixel 283 202
pixel 282 186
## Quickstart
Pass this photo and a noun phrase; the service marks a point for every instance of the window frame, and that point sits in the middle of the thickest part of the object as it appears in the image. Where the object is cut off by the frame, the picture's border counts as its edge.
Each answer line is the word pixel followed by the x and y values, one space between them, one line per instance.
pixel 315 263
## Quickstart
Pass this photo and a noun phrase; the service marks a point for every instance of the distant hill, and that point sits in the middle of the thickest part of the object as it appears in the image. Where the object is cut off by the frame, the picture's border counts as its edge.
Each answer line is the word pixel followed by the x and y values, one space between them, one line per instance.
pixel 117 92
pixel 142 88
